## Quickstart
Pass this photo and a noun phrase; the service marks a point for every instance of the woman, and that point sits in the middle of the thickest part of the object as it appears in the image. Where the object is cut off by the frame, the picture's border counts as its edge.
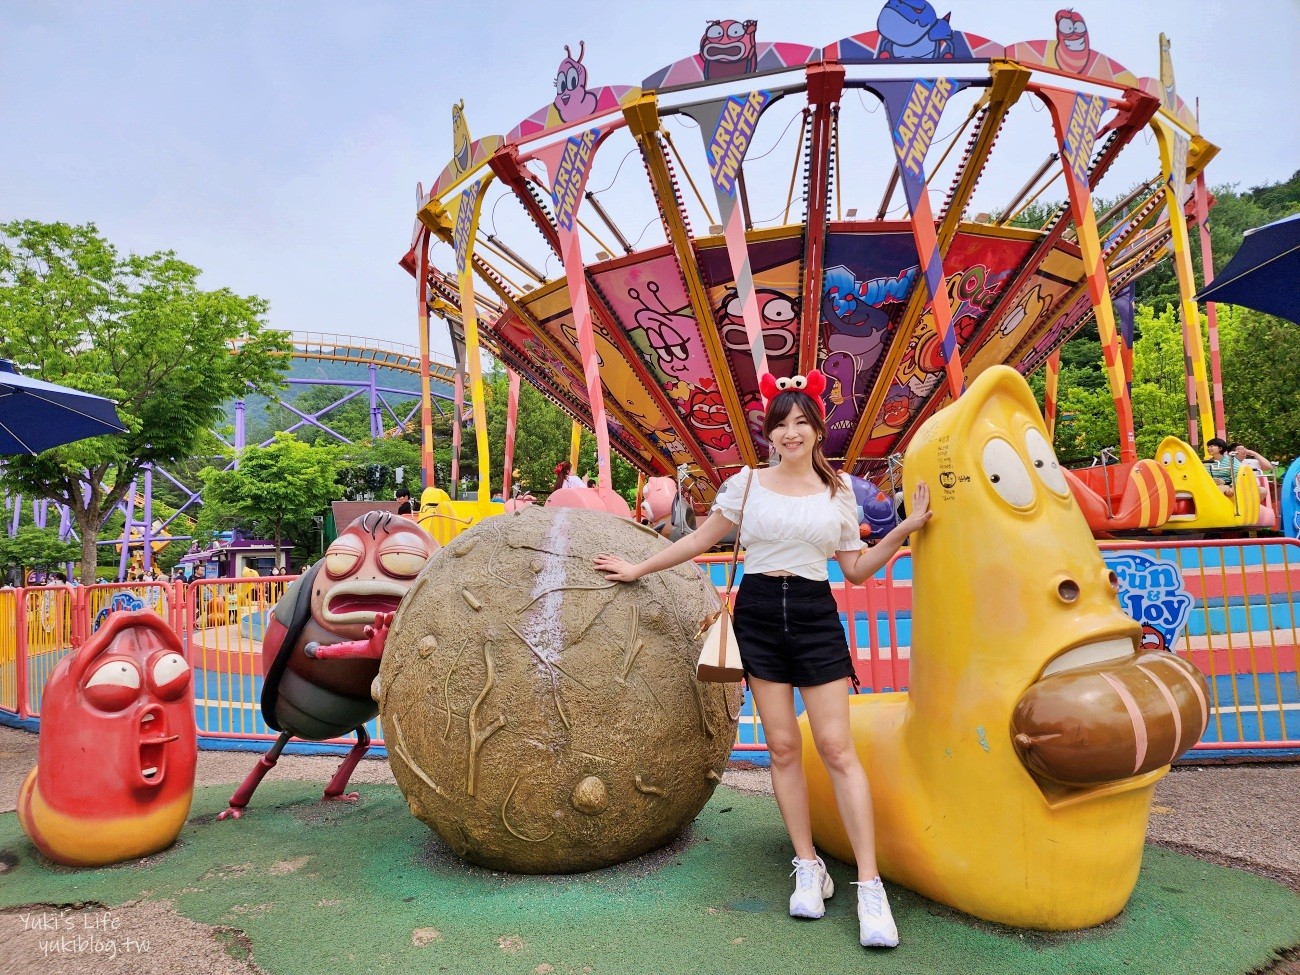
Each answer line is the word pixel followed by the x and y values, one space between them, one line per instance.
pixel 565 478
pixel 797 515
pixel 1220 464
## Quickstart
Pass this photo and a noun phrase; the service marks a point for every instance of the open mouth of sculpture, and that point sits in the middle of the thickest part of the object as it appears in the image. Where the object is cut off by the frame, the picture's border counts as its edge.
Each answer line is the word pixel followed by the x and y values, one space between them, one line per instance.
pixel 1184 507
pixel 153 744
pixel 361 602
pixel 1102 713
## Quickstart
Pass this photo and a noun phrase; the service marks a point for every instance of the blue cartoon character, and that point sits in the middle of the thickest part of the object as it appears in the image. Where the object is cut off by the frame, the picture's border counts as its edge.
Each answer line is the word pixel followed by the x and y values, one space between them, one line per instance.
pixel 911 29
pixel 854 310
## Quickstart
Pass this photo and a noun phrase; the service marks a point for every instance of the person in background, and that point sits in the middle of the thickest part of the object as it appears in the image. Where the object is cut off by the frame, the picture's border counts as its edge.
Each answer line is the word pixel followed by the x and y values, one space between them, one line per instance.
pixel 1220 464
pixel 565 478
pixel 404 507
pixel 1245 457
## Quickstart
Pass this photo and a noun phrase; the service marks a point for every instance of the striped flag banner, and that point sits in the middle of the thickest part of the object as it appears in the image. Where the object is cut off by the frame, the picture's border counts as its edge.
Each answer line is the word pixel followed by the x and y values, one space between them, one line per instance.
pixel 727 126
pixel 568 165
pixel 470 203
pixel 1049 392
pixel 512 423
pixel 1077 118
pixel 915 106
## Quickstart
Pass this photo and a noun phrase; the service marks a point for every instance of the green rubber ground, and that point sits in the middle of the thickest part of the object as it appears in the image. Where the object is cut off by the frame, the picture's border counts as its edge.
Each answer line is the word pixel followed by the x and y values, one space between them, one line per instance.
pixel 326 887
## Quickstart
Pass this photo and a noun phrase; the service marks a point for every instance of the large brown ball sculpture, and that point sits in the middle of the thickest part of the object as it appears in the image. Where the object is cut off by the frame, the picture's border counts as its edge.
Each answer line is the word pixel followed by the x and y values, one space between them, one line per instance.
pixel 542 719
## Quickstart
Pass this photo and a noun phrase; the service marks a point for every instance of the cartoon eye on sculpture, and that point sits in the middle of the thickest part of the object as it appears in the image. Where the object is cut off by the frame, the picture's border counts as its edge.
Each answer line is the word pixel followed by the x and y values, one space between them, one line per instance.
pixel 325 639
pixel 911 29
pixel 572 99
pixel 115 763
pixel 729 48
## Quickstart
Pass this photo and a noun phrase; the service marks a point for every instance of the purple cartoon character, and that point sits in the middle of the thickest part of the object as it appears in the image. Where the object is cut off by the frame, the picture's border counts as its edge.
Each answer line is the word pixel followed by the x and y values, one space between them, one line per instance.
pixel 729 48
pixel 572 99
pixel 911 29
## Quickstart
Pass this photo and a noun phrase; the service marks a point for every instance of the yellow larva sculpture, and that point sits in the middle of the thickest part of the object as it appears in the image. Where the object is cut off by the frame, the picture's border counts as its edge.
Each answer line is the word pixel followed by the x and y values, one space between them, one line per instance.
pixel 1013 780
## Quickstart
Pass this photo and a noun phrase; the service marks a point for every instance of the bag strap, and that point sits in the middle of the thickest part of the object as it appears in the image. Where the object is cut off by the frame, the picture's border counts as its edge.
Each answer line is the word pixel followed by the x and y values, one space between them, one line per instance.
pixel 735 549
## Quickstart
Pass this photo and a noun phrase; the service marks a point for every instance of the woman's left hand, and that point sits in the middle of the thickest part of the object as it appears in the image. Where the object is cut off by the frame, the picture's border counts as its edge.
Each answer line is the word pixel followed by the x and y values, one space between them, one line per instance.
pixel 616 569
pixel 919 509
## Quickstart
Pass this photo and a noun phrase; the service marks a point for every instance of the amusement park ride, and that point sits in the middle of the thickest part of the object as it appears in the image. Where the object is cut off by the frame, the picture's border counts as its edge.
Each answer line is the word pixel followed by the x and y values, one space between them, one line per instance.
pixel 657 347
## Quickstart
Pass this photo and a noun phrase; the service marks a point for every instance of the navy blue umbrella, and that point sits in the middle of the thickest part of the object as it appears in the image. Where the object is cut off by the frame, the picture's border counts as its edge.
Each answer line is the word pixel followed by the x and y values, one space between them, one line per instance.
pixel 36 415
pixel 1264 274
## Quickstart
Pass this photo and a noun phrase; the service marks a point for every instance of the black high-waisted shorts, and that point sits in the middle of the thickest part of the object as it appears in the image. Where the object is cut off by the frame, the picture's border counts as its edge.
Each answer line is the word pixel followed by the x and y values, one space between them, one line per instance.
pixel 788 630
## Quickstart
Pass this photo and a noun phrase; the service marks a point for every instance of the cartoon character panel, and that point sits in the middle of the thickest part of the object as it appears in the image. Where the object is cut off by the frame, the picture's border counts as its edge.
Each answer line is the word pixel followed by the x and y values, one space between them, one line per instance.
pixel 865 286
pixel 775 266
pixel 574 100
pixel 985 266
pixel 552 310
pixel 1071 50
pixel 532 359
pixel 650 304
pixel 911 30
pixel 730 49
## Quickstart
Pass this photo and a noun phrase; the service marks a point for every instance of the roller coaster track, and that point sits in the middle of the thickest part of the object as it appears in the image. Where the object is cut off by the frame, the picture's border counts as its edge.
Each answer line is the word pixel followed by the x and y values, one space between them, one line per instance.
pixel 329 347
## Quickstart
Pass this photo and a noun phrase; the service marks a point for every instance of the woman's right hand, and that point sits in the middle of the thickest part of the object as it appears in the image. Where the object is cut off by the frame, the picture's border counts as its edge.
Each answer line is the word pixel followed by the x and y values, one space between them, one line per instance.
pixel 616 569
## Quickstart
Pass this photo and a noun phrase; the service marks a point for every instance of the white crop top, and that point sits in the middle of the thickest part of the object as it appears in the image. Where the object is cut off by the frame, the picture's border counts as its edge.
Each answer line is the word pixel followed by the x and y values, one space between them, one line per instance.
pixel 781 533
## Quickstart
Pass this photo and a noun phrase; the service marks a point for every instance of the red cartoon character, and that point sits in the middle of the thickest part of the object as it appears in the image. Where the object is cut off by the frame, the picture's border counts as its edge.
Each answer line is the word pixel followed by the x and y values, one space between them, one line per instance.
pixel 729 48
pixel 1073 51
pixel 115 763
pixel 708 416
pixel 325 638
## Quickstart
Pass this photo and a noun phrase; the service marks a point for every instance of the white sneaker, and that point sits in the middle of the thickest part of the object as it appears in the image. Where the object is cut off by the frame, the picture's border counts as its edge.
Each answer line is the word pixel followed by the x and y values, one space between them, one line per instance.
pixel 812 885
pixel 876 928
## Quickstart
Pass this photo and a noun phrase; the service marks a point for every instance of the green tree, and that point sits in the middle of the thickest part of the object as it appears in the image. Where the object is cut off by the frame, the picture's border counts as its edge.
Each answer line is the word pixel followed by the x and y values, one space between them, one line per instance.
pixel 136 329
pixel 274 490
pixel 35 548
pixel 541 440
pixel 387 454
pixel 1261 381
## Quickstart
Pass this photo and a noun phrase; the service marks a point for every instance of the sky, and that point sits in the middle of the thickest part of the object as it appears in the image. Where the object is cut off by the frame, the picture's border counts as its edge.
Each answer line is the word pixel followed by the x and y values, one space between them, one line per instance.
pixel 277 145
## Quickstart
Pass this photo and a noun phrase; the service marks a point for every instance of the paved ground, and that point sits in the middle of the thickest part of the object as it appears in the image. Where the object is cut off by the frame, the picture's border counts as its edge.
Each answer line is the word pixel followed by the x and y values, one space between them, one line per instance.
pixel 1245 816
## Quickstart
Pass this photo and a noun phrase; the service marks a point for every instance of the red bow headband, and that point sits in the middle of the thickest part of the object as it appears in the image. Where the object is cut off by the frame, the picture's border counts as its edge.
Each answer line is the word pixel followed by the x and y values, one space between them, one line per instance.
pixel 559 467
pixel 814 384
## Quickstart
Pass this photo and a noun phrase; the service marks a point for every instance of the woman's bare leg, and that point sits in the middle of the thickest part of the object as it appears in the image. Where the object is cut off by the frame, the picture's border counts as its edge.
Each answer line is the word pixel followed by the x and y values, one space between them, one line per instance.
pixel 828 716
pixel 775 705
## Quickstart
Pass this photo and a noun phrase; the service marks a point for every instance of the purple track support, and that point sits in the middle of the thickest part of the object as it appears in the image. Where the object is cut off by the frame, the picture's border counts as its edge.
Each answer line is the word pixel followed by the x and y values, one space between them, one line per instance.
pixel 128 509
pixel 147 531
pixel 239 428
pixel 376 418
pixel 18 513
pixel 314 418
pixel 191 497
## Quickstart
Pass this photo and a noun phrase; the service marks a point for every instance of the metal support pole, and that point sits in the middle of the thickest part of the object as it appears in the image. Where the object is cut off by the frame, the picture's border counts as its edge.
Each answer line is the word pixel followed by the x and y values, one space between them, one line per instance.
pixel 146 527
pixel 128 509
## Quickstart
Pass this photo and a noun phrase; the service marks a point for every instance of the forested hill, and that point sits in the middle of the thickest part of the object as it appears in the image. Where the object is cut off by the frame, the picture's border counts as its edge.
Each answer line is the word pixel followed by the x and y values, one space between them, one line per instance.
pixel 1260 353
pixel 1234 212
